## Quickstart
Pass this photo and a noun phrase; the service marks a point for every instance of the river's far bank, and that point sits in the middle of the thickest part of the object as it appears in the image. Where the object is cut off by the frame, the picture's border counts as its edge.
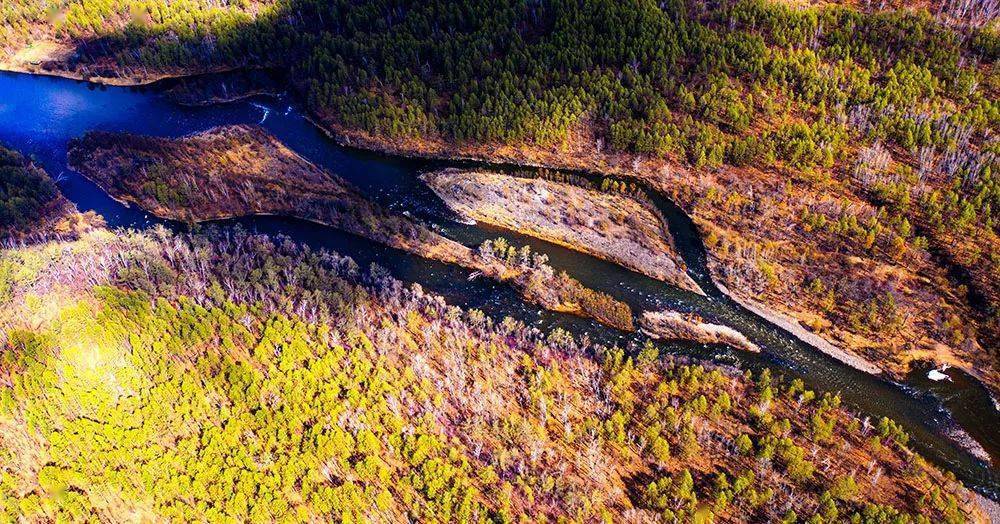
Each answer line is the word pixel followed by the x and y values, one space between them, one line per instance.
pixel 207 89
pixel 51 58
pixel 144 80
pixel 792 326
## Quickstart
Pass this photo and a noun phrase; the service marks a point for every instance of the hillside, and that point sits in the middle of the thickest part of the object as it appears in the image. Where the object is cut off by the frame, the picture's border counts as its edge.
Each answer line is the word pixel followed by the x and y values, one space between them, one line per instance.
pixel 153 376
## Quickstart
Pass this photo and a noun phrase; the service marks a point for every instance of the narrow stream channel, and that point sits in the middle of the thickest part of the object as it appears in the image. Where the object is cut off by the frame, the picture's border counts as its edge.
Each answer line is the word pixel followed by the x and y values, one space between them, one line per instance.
pixel 39 115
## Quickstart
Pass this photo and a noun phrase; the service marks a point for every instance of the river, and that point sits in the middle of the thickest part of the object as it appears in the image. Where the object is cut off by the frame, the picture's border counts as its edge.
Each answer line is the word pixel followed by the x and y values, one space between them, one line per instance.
pixel 39 115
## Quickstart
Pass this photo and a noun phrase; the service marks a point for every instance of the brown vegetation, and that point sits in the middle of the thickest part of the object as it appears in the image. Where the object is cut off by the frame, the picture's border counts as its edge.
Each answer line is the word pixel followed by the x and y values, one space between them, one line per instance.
pixel 241 171
pixel 606 224
pixel 219 88
pixel 558 292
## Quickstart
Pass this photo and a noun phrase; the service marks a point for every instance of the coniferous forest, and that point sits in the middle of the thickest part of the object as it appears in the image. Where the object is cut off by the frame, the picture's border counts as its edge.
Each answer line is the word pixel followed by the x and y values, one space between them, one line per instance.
pixel 838 162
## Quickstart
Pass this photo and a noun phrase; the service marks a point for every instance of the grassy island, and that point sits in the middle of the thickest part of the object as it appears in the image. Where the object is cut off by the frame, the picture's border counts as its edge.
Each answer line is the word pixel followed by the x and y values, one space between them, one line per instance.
pixel 675 325
pixel 607 224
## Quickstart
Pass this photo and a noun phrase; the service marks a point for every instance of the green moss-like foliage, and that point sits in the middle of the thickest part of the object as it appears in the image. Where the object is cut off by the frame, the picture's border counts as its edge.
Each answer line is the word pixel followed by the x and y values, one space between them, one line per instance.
pixel 231 377
pixel 27 194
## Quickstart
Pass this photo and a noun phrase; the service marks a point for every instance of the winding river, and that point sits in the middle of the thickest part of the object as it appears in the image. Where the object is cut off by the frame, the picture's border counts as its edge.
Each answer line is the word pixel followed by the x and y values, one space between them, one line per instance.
pixel 39 115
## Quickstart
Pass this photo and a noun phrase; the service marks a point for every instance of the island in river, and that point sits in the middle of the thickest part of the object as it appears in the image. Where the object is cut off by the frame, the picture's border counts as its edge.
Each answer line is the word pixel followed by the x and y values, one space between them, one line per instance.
pixel 675 325
pixel 606 224
pixel 235 171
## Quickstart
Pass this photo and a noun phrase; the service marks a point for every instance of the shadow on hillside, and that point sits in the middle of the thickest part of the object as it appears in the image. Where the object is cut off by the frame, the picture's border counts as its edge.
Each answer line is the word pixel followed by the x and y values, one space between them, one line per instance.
pixel 141 53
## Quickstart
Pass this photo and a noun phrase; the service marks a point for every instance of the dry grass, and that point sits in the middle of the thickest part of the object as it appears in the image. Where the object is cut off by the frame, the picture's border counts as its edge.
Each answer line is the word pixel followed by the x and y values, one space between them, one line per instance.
pixel 611 226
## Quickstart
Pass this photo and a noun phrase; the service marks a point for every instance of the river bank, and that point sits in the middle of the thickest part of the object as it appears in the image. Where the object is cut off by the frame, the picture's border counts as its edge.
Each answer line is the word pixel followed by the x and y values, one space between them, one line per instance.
pixel 47 58
pixel 670 179
pixel 607 225
pixel 241 171
pixel 32 209
pixel 792 326
pixel 224 87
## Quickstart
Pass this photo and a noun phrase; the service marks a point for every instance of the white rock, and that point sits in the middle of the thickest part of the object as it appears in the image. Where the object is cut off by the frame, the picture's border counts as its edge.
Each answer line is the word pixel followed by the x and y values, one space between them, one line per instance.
pixel 937 376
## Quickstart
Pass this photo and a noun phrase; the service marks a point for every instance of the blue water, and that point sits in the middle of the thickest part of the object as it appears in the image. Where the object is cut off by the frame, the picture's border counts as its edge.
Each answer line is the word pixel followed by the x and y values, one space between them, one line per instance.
pixel 40 115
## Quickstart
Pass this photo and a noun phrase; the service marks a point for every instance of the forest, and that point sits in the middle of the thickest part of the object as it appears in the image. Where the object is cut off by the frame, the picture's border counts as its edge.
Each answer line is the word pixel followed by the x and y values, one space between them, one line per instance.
pixel 227 376
pixel 857 132
pixel 25 193
pixel 840 161
pixel 32 209
pixel 746 82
